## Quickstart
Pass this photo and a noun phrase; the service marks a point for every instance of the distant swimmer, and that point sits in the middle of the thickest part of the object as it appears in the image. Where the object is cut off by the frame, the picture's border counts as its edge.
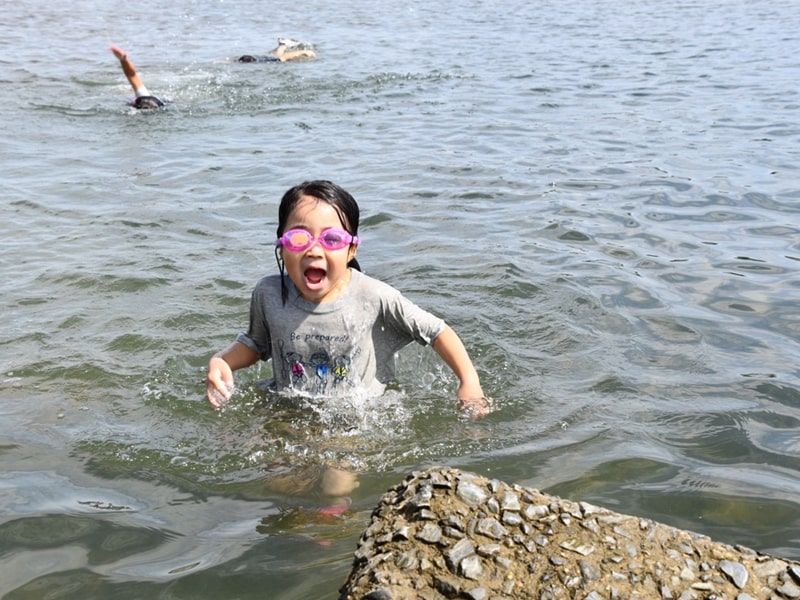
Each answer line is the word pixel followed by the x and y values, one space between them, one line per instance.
pixel 287 50
pixel 144 99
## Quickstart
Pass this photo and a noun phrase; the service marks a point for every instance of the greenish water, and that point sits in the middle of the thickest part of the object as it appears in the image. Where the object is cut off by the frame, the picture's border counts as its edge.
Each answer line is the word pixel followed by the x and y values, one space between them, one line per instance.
pixel 601 200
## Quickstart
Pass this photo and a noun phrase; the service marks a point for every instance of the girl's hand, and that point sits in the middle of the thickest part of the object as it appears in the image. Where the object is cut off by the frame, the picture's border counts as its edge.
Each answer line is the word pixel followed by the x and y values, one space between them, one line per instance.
pixel 476 406
pixel 472 401
pixel 219 381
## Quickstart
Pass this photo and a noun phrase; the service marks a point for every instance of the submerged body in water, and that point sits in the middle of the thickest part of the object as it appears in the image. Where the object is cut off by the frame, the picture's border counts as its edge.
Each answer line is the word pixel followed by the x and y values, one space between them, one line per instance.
pixel 286 50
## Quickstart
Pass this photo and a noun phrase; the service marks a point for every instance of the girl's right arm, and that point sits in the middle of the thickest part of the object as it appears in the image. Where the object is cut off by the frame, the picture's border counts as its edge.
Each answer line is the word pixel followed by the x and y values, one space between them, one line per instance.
pixel 470 394
pixel 219 381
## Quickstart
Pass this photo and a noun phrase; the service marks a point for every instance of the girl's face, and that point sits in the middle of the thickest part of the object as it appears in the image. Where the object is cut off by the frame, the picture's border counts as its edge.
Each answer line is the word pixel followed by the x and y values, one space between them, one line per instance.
pixel 320 275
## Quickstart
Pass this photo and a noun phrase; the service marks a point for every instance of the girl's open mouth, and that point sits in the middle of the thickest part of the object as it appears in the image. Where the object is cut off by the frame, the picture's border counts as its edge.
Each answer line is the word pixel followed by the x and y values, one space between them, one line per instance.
pixel 314 276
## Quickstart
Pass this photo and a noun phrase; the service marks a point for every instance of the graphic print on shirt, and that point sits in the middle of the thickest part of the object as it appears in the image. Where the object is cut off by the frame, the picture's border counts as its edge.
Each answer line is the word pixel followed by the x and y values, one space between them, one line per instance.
pixel 295 362
pixel 319 374
pixel 319 361
pixel 341 365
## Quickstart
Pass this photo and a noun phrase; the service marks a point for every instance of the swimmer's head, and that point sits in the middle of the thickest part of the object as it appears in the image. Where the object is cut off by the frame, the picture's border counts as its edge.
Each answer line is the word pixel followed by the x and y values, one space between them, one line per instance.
pixel 147 102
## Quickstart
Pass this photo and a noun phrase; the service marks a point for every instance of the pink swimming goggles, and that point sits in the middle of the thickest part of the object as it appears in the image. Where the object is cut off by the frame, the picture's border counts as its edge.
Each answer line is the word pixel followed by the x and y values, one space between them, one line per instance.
pixel 298 240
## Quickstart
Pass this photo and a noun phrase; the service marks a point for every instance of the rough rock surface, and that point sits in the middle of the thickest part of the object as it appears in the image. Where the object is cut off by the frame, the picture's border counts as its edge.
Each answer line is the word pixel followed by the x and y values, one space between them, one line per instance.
pixel 445 533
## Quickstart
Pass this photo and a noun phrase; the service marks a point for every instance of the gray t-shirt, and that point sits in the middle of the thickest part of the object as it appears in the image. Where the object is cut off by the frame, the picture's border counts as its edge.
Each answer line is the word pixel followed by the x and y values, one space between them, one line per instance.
pixel 338 347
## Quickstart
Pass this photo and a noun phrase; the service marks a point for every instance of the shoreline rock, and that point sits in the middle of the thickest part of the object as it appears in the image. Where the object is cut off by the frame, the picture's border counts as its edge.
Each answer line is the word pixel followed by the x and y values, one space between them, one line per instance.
pixel 445 533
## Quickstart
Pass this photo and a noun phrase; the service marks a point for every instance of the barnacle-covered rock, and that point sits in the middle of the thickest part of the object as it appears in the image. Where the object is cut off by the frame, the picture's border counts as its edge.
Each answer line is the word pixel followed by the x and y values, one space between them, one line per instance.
pixel 444 533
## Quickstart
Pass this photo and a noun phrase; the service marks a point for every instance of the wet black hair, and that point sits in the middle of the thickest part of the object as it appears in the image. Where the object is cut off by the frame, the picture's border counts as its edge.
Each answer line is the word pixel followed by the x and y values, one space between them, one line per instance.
pixel 146 102
pixel 250 58
pixel 325 191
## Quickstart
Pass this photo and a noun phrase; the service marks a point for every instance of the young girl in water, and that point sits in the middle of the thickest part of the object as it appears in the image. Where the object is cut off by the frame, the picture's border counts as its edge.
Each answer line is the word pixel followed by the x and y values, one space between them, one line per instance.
pixel 328 328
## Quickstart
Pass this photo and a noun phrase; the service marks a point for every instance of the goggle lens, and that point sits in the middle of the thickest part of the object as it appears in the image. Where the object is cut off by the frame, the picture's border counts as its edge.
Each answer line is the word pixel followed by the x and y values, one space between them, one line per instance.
pixel 298 240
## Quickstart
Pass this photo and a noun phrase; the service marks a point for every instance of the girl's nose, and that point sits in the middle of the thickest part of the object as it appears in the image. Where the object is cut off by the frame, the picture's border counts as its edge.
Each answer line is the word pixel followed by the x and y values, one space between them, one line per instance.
pixel 315 249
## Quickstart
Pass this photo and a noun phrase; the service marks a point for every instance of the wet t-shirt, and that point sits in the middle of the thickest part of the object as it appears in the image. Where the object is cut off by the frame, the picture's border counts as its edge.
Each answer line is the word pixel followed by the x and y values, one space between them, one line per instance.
pixel 338 347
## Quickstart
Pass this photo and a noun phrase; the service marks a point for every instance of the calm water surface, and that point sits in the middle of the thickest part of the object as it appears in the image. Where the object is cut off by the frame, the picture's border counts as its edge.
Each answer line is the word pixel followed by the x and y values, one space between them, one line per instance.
pixel 602 200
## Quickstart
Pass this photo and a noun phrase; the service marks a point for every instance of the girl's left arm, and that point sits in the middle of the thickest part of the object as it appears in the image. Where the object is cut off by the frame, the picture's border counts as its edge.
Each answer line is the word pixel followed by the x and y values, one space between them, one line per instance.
pixel 470 394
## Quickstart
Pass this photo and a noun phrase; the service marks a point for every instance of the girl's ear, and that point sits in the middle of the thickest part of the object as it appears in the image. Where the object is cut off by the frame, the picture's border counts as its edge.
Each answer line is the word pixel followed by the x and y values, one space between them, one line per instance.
pixel 351 252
